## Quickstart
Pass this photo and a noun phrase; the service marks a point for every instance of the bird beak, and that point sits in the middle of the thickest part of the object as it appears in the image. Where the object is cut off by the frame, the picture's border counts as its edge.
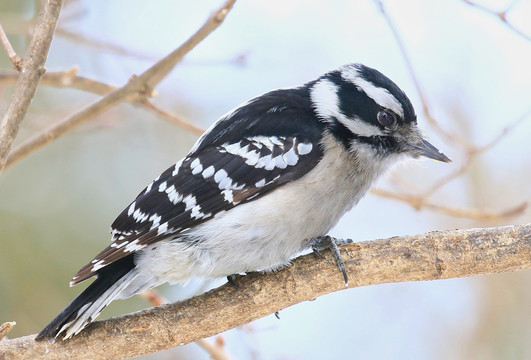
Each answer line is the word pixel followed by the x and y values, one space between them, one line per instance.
pixel 428 150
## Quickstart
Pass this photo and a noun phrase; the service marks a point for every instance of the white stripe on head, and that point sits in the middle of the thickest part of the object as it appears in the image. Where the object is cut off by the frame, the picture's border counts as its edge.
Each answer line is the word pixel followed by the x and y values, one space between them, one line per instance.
pixel 380 95
pixel 360 127
pixel 324 99
pixel 326 103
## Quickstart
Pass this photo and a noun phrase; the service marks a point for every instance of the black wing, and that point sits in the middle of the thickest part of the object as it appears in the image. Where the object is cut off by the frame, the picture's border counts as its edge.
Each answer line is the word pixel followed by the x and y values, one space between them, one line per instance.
pixel 260 146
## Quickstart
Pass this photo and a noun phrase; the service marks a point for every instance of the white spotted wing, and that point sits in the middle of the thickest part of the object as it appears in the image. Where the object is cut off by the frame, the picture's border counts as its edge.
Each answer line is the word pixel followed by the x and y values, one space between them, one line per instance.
pixel 222 171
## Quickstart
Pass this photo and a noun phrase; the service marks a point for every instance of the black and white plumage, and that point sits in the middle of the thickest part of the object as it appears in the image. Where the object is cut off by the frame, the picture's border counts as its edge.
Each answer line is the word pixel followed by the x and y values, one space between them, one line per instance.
pixel 257 187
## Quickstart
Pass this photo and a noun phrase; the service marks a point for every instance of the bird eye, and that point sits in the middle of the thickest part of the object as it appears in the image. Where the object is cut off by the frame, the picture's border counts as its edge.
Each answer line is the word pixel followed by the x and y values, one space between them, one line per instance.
pixel 387 118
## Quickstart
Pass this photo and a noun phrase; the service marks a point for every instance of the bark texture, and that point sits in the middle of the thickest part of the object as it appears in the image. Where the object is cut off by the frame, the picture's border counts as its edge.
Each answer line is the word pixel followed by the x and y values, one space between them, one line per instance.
pixel 430 256
pixel 32 69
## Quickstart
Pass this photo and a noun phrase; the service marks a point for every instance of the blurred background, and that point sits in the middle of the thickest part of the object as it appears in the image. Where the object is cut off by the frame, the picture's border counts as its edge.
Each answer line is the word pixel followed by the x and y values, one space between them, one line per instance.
pixel 473 71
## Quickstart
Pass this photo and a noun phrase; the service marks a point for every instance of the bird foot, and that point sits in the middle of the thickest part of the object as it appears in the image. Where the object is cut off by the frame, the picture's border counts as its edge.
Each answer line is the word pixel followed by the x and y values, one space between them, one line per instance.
pixel 321 243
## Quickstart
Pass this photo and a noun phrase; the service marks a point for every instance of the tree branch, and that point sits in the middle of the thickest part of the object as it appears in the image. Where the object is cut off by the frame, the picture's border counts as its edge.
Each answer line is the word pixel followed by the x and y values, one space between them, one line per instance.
pixel 5 328
pixel 502 16
pixel 450 137
pixel 421 202
pixel 32 68
pixel 63 79
pixel 70 79
pixel 136 90
pixel 11 54
pixel 430 256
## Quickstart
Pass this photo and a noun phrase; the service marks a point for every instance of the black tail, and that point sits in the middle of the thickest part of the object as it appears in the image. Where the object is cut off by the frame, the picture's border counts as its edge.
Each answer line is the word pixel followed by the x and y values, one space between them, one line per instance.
pixel 110 281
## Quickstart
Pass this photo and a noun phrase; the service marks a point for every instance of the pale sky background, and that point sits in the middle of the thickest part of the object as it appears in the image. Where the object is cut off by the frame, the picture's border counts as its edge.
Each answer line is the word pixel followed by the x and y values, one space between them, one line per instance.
pixel 476 75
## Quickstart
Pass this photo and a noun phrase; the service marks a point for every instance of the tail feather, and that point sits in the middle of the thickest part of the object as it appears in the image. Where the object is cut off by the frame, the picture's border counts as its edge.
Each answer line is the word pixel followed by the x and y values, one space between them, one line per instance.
pixel 110 282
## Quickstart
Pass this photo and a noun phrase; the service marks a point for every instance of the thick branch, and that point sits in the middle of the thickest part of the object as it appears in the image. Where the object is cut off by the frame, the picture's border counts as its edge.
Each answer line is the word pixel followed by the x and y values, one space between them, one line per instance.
pixel 32 68
pixel 137 89
pixel 430 256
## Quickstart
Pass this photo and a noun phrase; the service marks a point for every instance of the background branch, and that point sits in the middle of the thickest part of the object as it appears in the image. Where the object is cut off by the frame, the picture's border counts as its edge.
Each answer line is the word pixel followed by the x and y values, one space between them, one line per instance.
pixel 429 256
pixel 450 137
pixel 137 89
pixel 70 79
pixel 421 202
pixel 32 68
pixel 11 54
pixel 63 79
pixel 5 328
pixel 469 151
pixel 502 16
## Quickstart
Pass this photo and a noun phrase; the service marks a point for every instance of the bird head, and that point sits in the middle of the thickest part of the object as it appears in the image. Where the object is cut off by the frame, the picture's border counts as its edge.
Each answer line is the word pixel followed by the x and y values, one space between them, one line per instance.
pixel 366 111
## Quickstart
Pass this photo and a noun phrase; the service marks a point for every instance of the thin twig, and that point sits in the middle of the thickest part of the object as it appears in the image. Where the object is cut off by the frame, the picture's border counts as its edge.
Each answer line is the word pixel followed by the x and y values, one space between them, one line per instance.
pixel 157 73
pixel 101 44
pixel 502 16
pixel 153 297
pixel 429 256
pixel 450 137
pixel 421 202
pixel 471 153
pixel 63 79
pixel 506 130
pixel 70 79
pixel 15 59
pixel 172 118
pixel 5 328
pixel 216 350
pixel 137 89
pixel 32 70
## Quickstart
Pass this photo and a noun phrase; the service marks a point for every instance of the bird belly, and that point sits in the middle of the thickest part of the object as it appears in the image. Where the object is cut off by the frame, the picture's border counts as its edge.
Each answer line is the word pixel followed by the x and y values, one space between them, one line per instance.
pixel 266 233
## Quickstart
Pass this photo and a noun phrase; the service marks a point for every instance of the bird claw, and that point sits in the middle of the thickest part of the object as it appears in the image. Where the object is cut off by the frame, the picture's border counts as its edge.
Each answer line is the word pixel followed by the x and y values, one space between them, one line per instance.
pixel 330 243
pixel 231 279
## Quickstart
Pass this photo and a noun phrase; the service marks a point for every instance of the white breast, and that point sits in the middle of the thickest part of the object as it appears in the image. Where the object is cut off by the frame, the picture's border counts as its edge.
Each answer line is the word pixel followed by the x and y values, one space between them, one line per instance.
pixel 266 233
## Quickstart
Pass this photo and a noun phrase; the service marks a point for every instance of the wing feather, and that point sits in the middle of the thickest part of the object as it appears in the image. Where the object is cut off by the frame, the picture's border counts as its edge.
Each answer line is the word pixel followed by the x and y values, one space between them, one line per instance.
pixel 221 171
